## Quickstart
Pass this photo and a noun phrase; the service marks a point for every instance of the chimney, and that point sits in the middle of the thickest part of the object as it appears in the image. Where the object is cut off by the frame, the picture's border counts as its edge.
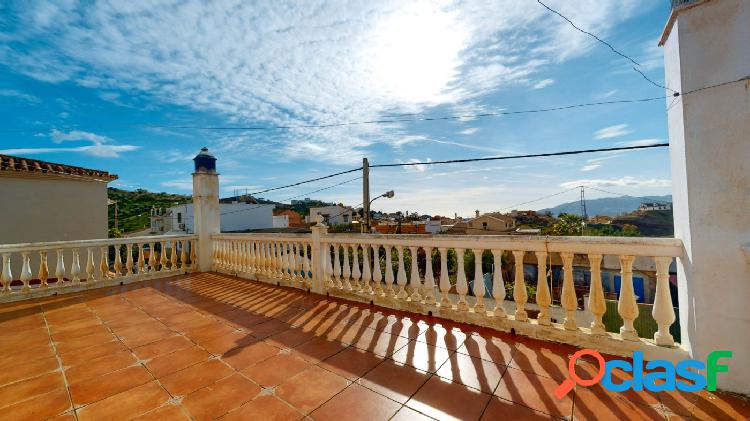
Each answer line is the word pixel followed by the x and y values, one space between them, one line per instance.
pixel 477 213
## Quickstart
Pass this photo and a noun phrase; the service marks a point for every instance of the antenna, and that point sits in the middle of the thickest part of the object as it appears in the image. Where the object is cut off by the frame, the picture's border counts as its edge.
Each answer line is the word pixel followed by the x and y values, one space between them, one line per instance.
pixel 584 214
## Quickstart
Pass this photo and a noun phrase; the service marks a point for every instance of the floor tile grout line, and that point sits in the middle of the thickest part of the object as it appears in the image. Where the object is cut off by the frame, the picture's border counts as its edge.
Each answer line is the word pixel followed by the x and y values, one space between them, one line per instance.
pixel 59 364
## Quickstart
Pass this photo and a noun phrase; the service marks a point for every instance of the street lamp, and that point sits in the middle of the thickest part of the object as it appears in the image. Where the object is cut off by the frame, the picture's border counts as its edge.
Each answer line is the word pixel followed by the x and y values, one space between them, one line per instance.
pixel 389 194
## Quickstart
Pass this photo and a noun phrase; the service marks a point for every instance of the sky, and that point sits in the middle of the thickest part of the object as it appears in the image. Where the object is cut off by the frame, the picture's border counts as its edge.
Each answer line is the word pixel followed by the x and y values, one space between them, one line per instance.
pixel 129 88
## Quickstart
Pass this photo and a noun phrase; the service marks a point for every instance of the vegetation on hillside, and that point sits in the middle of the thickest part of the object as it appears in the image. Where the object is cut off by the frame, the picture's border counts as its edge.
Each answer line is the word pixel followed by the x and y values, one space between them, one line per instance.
pixel 134 208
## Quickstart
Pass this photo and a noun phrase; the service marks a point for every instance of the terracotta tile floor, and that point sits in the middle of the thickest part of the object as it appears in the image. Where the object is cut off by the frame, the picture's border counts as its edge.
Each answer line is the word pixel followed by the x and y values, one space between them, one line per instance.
pixel 207 346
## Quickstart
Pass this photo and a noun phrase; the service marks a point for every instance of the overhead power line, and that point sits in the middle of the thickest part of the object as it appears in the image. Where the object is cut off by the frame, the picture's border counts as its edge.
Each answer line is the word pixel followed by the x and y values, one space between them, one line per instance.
pixel 538 155
pixel 611 47
pixel 294 197
pixel 306 181
pixel 389 120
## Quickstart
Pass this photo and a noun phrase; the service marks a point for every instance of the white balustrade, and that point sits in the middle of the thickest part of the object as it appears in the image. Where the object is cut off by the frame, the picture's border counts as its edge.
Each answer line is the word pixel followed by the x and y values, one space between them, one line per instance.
pixel 479 289
pixel 462 288
pixel 356 273
pixel 347 273
pixel 569 299
pixel 401 276
pixel 520 295
pixel 389 291
pixel 35 277
pixel 627 306
pixel 498 285
pixel 414 281
pixel 543 295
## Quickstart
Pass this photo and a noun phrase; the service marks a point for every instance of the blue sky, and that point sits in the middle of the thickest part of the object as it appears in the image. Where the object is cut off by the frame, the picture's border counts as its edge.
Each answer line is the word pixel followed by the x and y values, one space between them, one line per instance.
pixel 94 83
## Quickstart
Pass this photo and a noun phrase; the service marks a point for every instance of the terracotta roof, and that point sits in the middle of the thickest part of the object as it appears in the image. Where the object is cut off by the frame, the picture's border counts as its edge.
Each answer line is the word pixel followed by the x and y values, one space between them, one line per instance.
pixel 18 164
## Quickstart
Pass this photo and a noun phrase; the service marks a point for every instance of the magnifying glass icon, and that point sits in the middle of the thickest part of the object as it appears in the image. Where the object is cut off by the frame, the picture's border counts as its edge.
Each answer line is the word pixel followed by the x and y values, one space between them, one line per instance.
pixel 566 386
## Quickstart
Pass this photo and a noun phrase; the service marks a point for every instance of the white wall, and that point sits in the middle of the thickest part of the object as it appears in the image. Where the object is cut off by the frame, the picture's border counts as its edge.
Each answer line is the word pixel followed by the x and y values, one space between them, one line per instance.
pixel 281 221
pixel 234 216
pixel 709 136
pixel 337 215
pixel 51 208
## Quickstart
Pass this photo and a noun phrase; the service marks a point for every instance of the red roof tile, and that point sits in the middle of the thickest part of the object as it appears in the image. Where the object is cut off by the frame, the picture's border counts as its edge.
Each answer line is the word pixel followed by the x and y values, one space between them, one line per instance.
pixel 18 164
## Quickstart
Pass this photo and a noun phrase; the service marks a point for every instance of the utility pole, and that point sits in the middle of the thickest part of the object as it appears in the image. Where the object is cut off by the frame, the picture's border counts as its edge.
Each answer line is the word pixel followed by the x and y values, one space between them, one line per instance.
pixel 584 214
pixel 366 195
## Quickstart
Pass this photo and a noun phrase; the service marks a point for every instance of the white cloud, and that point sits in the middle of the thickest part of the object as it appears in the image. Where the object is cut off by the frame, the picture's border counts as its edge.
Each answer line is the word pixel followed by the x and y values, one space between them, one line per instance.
pixel 101 146
pixel 271 63
pixel 640 142
pixel 543 83
pixel 590 167
pixel 469 131
pixel 417 167
pixel 627 181
pixel 21 96
pixel 612 131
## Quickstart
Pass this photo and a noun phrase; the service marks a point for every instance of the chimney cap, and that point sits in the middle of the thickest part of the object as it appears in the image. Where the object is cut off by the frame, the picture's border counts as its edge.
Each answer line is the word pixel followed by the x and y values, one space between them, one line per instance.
pixel 204 161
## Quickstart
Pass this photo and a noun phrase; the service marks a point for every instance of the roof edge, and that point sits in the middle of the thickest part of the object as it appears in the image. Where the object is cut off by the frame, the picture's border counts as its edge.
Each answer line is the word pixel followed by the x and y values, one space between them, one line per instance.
pixel 673 18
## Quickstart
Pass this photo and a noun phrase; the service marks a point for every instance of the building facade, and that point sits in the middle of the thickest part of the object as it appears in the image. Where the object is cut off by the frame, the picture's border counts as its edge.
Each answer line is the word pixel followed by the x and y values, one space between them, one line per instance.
pixel 44 201
pixel 332 215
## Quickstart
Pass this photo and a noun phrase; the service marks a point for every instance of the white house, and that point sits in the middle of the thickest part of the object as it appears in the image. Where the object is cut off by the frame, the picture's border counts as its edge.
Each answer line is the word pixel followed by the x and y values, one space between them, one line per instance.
pixel 332 215
pixel 655 206
pixel 234 217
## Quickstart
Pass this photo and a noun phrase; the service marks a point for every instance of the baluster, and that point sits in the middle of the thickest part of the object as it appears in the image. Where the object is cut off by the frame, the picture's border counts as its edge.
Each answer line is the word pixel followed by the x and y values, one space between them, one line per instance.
pixel 356 274
pixel 287 268
pixel 183 254
pixel 25 271
pixel 298 264
pixel 295 273
pixel 245 256
pixel 216 260
pixel 75 268
pixel 569 299
pixel 194 255
pixel 347 272
pixel 7 277
pixel 43 270
pixel 251 263
pixel 279 260
pixel 597 305
pixel 267 259
pixel 498 285
pixel 173 256
pixel 462 287
pixel 306 266
pixel 445 283
pixel 429 278
pixel 141 260
pixel 366 274
pixel 151 258
pixel 259 258
pixel 520 296
pixel 414 281
pixel 663 312
pixel 90 265
pixel 163 261
pixel 377 275
pixel 389 272
pixel 627 306
pixel 129 260
pixel 401 276
pixel 479 289
pixel 104 262
pixel 329 280
pixel 543 296
pixel 118 260
pixel 337 267
pixel 60 269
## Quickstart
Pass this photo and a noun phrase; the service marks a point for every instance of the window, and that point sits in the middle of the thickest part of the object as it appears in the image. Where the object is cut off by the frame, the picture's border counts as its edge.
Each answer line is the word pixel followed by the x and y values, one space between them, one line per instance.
pixel 484 225
pixel 179 217
pixel 346 219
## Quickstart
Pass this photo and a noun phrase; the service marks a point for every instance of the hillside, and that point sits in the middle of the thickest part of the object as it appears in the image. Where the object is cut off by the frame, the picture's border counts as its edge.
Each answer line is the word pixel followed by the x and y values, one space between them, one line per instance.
pixel 650 224
pixel 610 206
pixel 134 207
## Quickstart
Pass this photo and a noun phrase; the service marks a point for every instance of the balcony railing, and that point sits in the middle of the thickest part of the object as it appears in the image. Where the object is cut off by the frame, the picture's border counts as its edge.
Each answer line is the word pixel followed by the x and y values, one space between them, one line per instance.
pixel 39 269
pixel 393 271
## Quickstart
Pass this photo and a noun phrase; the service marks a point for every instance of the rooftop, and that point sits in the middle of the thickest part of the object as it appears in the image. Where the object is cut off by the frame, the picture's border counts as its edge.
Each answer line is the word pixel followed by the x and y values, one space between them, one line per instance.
pixel 15 164
pixel 207 346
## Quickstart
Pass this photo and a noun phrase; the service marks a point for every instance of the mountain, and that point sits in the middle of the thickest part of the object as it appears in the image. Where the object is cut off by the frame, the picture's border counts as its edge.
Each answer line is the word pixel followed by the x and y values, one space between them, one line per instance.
pixel 134 207
pixel 610 206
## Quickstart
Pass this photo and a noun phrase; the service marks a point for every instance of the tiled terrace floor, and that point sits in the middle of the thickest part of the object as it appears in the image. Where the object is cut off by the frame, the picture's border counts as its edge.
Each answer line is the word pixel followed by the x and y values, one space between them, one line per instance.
pixel 207 346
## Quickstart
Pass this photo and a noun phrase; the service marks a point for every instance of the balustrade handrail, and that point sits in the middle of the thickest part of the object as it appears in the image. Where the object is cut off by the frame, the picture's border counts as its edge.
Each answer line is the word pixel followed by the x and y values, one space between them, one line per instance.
pixel 51 245
pixel 632 246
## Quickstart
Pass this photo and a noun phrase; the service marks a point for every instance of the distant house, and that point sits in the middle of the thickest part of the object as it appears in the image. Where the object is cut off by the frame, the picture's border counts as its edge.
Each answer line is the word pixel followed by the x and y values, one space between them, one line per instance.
pixel 332 215
pixel 655 206
pixel 44 201
pixel 486 224
pixel 234 217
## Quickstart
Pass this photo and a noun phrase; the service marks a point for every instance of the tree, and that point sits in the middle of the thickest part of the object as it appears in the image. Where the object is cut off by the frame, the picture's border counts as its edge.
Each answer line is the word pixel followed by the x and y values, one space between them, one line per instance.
pixel 567 224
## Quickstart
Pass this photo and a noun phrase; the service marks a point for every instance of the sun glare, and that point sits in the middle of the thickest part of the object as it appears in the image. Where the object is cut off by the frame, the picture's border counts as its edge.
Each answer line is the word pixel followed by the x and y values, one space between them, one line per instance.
pixel 416 54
